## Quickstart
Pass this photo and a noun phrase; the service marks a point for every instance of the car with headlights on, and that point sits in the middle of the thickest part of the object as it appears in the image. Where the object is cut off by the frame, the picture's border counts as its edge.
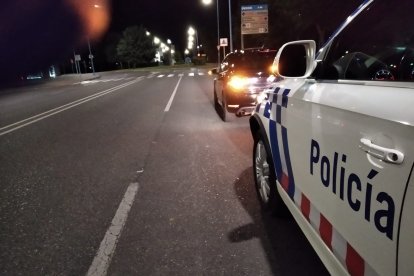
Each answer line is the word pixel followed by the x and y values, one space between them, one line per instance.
pixel 240 80
pixel 333 141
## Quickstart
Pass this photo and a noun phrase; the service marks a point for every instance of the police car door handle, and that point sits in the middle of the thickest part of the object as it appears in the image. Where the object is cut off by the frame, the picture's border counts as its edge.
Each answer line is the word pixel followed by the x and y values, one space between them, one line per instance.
pixel 385 154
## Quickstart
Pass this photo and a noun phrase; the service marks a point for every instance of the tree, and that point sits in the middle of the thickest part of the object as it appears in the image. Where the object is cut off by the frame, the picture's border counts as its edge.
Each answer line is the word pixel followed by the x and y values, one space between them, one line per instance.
pixel 135 47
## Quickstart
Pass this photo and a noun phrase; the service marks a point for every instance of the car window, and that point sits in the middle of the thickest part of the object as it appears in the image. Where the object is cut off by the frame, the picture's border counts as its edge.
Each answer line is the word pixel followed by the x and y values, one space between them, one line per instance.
pixel 374 46
pixel 254 61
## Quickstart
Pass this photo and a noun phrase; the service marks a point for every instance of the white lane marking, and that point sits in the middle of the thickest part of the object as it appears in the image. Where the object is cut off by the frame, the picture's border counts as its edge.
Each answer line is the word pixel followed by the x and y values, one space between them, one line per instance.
pixel 102 260
pixel 170 75
pixel 191 74
pixel 200 73
pixel 167 108
pixel 150 76
pixel 180 75
pixel 160 76
pixel 51 112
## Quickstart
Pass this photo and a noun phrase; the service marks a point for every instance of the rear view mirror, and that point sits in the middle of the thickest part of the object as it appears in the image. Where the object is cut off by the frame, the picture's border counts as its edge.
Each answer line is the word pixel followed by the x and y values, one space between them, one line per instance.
pixel 296 59
pixel 213 71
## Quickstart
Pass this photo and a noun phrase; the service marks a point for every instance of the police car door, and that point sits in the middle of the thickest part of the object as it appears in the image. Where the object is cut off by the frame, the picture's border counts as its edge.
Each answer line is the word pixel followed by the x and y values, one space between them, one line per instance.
pixel 350 133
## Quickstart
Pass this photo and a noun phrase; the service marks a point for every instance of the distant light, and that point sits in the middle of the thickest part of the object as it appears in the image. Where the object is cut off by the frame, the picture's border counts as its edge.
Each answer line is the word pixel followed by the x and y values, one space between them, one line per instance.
pixel 168 41
pixel 156 40
pixel 148 33
pixel 186 51
pixel 191 31
pixel 206 2
pixel 97 6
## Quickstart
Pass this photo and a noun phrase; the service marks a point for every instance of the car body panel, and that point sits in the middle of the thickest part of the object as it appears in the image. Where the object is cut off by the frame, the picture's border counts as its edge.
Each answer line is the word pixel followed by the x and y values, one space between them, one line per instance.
pixel 352 202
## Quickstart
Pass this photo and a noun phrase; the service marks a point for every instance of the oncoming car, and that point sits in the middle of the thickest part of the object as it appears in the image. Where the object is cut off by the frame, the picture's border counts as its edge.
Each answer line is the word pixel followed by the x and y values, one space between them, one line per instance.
pixel 241 78
pixel 333 141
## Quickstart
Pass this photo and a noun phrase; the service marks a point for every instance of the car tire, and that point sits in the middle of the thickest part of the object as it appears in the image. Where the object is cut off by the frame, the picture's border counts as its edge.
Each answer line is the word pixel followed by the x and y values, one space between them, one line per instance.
pixel 216 103
pixel 265 178
pixel 225 115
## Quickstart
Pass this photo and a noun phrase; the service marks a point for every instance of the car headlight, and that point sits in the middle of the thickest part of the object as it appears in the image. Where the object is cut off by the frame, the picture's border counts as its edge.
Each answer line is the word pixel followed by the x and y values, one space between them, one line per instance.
pixel 238 82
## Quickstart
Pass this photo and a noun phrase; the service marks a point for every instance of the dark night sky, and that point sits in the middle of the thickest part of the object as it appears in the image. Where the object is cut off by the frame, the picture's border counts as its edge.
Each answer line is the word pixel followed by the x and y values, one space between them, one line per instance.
pixel 35 34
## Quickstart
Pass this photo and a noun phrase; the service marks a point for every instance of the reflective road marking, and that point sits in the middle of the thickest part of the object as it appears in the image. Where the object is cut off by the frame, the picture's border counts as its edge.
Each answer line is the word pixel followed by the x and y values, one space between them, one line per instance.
pixel 106 250
pixel 167 108
pixel 15 126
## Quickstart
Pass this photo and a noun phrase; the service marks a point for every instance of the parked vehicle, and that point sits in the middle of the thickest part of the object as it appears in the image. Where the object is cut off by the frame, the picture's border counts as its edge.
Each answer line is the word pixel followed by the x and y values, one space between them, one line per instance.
pixel 333 141
pixel 241 79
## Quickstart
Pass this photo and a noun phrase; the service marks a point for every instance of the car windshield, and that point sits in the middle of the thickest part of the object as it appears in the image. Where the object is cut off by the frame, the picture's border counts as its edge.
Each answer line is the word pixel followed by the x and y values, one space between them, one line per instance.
pixel 253 61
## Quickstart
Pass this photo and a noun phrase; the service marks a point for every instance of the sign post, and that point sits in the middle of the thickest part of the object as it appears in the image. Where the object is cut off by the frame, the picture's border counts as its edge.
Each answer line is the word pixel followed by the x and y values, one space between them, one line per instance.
pixel 224 43
pixel 254 20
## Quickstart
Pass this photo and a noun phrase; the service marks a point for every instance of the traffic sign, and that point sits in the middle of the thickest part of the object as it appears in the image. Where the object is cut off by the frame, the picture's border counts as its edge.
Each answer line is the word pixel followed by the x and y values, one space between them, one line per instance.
pixel 224 42
pixel 254 19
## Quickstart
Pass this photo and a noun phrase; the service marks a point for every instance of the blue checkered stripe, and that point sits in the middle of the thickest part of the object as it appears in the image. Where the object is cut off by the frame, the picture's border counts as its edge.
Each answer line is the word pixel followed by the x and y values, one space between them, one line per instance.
pixel 274 109
pixel 278 99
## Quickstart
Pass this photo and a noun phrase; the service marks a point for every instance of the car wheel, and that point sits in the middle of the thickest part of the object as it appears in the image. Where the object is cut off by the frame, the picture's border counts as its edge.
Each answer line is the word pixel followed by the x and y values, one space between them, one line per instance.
pixel 265 178
pixel 216 103
pixel 225 115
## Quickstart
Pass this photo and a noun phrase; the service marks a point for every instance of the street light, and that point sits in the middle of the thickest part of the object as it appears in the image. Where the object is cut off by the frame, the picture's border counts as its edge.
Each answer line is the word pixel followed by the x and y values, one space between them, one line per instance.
pixel 208 2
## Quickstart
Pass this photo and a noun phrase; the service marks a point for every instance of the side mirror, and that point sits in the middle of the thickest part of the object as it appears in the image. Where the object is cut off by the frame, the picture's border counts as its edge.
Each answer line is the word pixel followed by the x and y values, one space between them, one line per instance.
pixel 296 59
pixel 213 71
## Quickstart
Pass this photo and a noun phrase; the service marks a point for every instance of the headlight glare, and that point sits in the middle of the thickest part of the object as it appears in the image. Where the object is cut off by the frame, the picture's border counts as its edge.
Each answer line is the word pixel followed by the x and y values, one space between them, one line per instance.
pixel 238 83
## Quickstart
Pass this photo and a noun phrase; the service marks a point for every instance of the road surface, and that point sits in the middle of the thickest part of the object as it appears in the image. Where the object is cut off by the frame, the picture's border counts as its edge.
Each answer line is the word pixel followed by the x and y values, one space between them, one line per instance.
pixel 134 173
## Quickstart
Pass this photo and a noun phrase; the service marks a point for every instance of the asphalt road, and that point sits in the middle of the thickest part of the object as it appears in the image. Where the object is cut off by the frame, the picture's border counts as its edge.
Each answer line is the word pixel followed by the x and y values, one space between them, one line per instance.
pixel 134 173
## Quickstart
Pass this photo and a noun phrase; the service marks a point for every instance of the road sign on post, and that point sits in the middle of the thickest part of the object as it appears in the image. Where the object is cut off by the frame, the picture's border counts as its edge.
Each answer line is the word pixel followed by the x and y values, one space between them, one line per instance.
pixel 254 19
pixel 223 42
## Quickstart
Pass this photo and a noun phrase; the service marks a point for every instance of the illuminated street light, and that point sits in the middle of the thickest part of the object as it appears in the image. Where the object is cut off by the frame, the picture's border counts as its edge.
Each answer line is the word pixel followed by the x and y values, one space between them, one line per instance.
pixel 147 33
pixel 208 2
pixel 169 41
pixel 156 40
pixel 191 31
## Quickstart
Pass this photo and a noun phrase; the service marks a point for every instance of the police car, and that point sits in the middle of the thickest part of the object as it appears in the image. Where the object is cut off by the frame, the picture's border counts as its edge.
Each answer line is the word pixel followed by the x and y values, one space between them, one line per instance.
pixel 333 141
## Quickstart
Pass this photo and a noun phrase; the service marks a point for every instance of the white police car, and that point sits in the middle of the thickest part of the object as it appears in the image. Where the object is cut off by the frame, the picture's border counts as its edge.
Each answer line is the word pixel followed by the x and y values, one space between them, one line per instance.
pixel 334 141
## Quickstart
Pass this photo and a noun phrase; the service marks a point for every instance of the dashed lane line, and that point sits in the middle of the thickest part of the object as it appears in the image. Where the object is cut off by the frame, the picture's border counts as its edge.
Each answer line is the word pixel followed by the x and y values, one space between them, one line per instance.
pixel 167 108
pixel 103 257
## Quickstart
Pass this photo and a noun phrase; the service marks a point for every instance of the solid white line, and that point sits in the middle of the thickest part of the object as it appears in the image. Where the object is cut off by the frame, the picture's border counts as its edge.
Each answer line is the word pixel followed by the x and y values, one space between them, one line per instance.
pixel 60 109
pixel 102 260
pixel 160 76
pixel 191 74
pixel 167 108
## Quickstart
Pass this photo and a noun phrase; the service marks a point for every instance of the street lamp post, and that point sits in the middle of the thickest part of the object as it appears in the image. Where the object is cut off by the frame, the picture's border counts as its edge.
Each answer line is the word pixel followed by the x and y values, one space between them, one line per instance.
pixel 91 56
pixel 208 2
pixel 230 28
